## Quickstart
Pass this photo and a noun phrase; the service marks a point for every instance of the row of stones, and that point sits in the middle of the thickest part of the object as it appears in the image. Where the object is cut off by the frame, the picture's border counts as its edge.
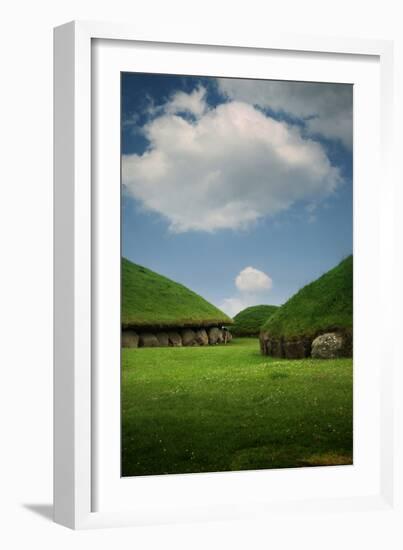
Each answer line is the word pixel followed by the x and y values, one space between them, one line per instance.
pixel 175 338
pixel 325 346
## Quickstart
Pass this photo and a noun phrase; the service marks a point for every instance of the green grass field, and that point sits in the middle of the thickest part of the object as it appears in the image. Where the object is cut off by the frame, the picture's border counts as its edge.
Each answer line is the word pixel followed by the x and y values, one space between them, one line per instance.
pixel 218 408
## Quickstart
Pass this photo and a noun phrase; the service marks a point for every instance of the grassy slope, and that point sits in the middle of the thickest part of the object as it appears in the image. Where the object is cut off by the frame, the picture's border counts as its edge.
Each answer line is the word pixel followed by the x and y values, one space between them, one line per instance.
pixel 149 299
pixel 223 408
pixel 249 321
pixel 326 303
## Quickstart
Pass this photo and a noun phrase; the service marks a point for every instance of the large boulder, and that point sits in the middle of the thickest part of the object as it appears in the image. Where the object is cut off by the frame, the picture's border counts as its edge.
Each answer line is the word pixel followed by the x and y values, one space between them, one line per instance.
pixel 130 339
pixel 201 337
pixel 148 340
pixel 175 339
pixel 188 337
pixel 163 339
pixel 328 346
pixel 215 336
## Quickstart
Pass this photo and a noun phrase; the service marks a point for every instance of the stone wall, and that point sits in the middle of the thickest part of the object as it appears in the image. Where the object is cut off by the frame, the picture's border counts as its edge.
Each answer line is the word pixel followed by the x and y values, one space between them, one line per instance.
pixel 176 337
pixel 325 345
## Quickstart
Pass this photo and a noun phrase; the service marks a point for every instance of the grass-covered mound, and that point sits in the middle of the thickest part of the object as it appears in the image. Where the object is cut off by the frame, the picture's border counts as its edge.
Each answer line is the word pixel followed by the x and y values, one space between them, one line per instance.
pixel 249 321
pixel 151 300
pixel 324 305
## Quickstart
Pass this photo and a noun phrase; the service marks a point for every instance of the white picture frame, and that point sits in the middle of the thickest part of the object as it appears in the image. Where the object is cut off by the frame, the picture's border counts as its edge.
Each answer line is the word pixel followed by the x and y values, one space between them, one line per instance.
pixel 80 432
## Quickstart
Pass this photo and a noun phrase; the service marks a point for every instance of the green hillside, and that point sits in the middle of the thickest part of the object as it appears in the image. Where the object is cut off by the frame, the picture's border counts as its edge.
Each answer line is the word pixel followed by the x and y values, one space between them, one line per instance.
pixel 326 303
pixel 249 321
pixel 151 300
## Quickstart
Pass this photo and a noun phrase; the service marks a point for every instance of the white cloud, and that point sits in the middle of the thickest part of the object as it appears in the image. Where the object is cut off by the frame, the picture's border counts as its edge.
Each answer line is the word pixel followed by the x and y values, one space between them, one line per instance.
pixel 251 283
pixel 252 280
pixel 226 169
pixel 193 103
pixel 327 108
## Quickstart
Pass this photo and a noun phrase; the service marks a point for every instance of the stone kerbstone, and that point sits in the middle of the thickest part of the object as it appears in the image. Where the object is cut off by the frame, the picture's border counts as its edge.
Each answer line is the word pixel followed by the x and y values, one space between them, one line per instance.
pixel 148 340
pixel 263 341
pixel 328 346
pixel 188 337
pixel 227 336
pixel 175 339
pixel 271 346
pixel 130 339
pixel 163 339
pixel 201 337
pixel 296 349
pixel 215 336
pixel 277 349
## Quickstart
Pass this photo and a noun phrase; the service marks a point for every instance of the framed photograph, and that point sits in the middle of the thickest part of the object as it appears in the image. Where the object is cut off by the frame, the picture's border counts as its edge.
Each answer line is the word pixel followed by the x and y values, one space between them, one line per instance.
pixel 222 247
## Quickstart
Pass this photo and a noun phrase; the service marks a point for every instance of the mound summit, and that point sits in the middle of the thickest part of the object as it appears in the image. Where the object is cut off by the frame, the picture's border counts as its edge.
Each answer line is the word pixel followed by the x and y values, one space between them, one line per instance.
pixel 316 320
pixel 157 311
pixel 249 321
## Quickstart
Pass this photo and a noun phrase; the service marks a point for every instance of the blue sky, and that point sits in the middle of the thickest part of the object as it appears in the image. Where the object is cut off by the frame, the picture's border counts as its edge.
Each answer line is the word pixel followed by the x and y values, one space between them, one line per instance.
pixel 239 189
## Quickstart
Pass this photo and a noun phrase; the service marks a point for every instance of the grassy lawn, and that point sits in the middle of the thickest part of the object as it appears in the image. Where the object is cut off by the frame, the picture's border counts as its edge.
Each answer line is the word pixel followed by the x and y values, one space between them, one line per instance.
pixel 217 408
